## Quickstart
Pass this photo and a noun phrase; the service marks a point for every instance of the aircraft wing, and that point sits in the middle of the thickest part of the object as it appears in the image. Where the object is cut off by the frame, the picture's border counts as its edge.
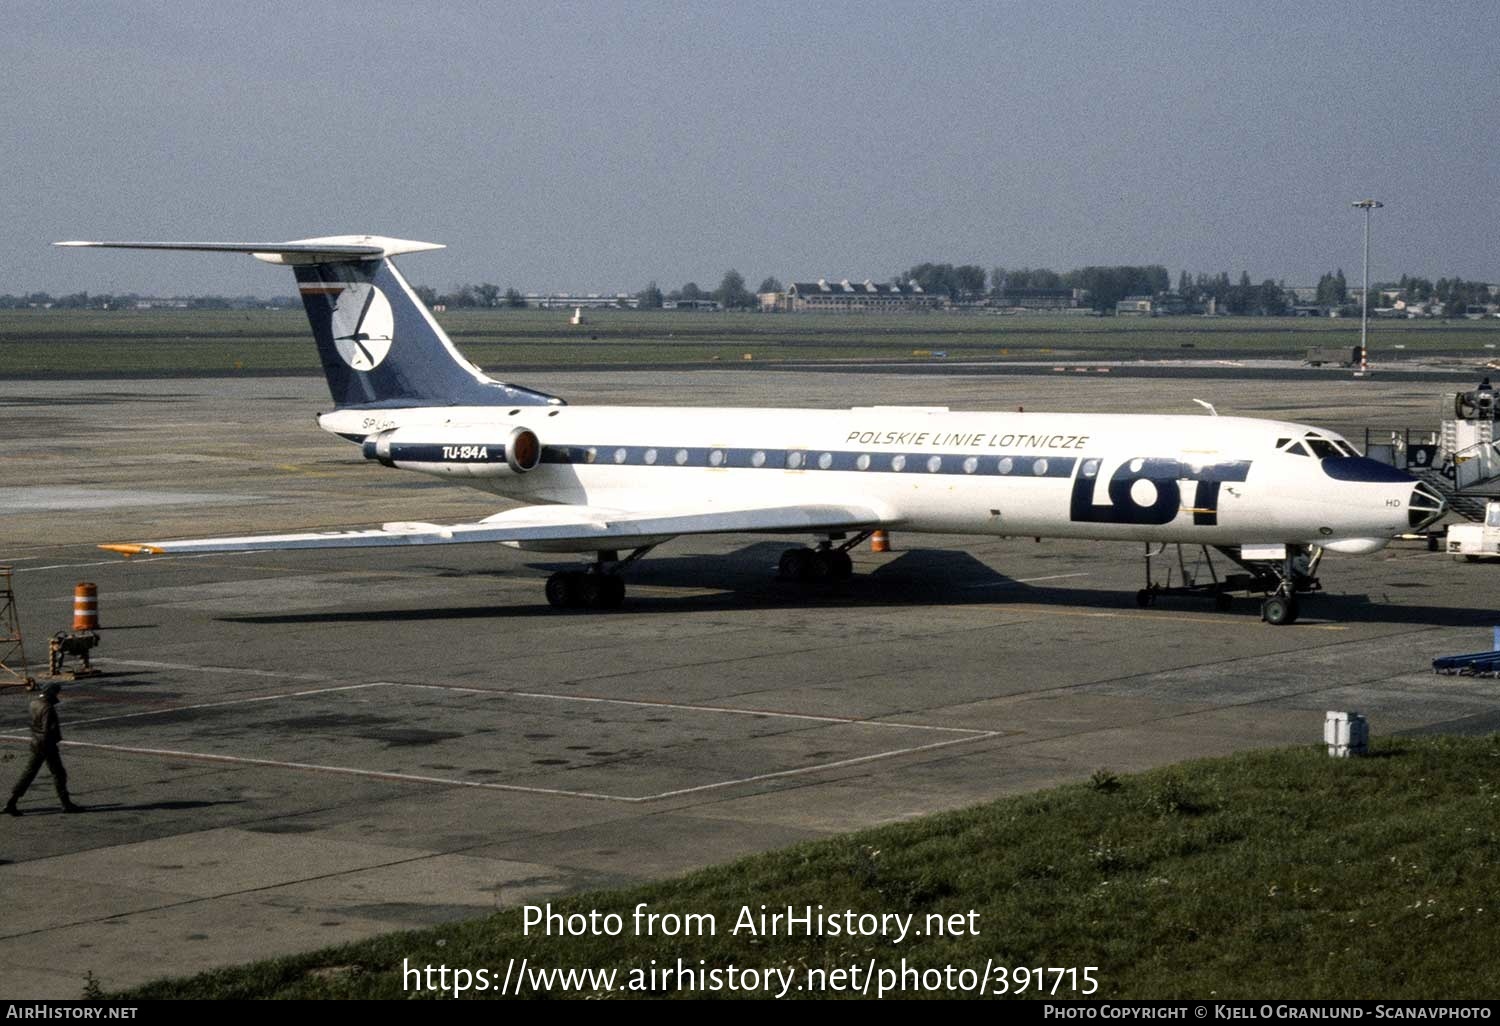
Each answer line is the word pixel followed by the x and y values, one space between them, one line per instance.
pixel 609 528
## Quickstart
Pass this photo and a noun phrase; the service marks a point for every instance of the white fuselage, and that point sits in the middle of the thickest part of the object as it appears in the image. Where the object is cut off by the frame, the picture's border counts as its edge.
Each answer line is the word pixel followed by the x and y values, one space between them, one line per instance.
pixel 1196 479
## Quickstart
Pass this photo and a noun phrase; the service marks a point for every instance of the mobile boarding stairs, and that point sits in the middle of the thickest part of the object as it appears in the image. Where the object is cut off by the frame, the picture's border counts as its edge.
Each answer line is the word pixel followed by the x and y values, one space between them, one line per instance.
pixel 1461 460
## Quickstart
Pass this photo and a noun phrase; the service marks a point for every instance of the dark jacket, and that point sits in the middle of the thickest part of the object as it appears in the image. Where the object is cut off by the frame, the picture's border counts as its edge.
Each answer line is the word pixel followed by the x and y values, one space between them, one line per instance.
pixel 46 730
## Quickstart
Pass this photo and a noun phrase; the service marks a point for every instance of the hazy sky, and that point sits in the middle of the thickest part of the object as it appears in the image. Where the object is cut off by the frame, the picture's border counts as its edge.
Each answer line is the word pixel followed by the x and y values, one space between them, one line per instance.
pixel 596 146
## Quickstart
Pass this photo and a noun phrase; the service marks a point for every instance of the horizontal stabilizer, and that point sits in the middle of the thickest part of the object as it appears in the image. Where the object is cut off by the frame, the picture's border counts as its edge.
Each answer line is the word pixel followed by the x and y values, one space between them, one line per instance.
pixel 332 249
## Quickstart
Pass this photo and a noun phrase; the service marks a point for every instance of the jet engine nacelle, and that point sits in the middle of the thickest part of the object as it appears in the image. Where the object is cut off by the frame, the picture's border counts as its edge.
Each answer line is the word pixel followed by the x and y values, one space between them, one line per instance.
pixel 473 452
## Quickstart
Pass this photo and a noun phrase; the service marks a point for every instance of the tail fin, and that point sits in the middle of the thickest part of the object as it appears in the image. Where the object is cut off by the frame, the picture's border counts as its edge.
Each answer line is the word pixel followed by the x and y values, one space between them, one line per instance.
pixel 378 343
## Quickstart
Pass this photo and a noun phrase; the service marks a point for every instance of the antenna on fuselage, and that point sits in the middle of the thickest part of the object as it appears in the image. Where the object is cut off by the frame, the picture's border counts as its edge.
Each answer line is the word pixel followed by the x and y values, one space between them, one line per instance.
pixel 1207 406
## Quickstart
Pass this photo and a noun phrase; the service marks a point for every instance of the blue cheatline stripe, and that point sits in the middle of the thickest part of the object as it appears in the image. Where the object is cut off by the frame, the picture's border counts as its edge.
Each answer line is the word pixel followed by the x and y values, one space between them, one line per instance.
pixel 962 464
pixel 812 459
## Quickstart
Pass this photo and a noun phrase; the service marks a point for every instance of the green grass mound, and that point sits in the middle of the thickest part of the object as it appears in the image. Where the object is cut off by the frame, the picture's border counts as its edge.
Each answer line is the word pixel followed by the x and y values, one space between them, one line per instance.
pixel 1270 874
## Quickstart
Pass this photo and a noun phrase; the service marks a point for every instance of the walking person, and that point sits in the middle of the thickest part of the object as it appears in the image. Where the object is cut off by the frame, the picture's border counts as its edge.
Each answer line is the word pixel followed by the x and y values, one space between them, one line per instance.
pixel 46 740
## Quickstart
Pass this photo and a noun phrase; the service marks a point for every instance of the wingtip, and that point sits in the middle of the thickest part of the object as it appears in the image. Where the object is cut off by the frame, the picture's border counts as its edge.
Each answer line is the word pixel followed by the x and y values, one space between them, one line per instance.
pixel 128 550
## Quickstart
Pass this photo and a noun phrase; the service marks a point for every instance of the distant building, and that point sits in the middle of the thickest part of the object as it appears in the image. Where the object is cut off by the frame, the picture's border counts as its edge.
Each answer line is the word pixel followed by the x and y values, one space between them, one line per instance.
pixel 1038 299
pixel 1169 304
pixel 865 297
pixel 572 301
pixel 1136 306
pixel 691 304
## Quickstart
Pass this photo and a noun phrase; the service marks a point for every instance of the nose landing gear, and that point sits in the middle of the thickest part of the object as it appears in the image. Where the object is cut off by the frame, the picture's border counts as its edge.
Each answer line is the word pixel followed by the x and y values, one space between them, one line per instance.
pixel 1296 573
pixel 1278 610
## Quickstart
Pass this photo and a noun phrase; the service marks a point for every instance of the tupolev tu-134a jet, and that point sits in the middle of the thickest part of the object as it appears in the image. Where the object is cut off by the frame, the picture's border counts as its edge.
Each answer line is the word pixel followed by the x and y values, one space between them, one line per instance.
pixel 1270 495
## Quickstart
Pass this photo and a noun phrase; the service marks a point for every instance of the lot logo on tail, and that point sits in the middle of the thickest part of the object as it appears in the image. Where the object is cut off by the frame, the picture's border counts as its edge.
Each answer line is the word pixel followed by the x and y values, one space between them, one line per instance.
pixel 362 326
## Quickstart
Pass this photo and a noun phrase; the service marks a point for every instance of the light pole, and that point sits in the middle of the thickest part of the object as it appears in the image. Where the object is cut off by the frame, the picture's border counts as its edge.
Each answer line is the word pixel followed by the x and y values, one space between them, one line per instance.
pixel 1364 306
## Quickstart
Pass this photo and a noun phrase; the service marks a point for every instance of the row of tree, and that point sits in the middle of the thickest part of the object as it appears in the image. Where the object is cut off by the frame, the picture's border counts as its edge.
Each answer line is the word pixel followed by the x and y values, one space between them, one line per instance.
pixel 732 293
pixel 1104 287
pixel 130 300
pixel 1448 291
pixel 462 296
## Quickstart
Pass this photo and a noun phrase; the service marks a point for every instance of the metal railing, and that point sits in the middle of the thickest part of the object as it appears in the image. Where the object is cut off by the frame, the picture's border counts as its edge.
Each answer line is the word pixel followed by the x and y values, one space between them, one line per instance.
pixel 1414 449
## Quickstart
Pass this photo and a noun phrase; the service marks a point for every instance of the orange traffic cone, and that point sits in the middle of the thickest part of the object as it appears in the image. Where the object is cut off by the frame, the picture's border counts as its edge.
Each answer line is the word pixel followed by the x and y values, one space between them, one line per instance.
pixel 85 607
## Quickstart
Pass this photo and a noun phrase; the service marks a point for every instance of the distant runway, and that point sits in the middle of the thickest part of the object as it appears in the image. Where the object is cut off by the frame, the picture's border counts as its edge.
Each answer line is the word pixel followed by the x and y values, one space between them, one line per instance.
pixel 1205 366
pixel 1227 369
pixel 299 749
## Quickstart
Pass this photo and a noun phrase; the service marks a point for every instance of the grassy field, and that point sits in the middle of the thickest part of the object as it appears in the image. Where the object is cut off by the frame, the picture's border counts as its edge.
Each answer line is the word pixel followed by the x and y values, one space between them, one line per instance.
pixel 65 342
pixel 1270 874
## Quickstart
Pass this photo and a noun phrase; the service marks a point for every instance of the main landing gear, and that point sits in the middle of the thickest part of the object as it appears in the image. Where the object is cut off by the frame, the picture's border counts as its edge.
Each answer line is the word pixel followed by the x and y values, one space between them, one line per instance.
pixel 601 586
pixel 824 563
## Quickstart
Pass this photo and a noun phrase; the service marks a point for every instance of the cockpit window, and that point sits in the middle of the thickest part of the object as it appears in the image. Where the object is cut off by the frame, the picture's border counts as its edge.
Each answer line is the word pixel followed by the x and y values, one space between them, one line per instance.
pixel 1323 448
pixel 1295 449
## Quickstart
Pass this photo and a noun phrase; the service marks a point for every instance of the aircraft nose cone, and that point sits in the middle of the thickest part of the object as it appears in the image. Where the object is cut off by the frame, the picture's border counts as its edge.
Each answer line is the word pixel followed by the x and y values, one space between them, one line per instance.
pixel 1424 507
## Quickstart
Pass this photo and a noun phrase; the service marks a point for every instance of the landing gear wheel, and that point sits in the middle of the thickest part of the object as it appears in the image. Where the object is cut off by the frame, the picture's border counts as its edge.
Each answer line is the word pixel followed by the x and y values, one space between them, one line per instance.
pixel 611 592
pixel 570 589
pixel 797 565
pixel 590 591
pixel 1144 598
pixel 1279 610
pixel 1223 601
pixel 563 590
pixel 836 564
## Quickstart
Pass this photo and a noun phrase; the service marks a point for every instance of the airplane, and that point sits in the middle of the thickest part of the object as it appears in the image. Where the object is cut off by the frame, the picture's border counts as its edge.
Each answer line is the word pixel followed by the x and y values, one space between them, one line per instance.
pixel 1272 496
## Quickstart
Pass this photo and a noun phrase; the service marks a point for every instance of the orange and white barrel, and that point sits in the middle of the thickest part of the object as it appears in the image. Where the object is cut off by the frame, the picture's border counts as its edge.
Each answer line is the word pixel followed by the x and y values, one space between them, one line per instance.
pixel 85 607
pixel 880 541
